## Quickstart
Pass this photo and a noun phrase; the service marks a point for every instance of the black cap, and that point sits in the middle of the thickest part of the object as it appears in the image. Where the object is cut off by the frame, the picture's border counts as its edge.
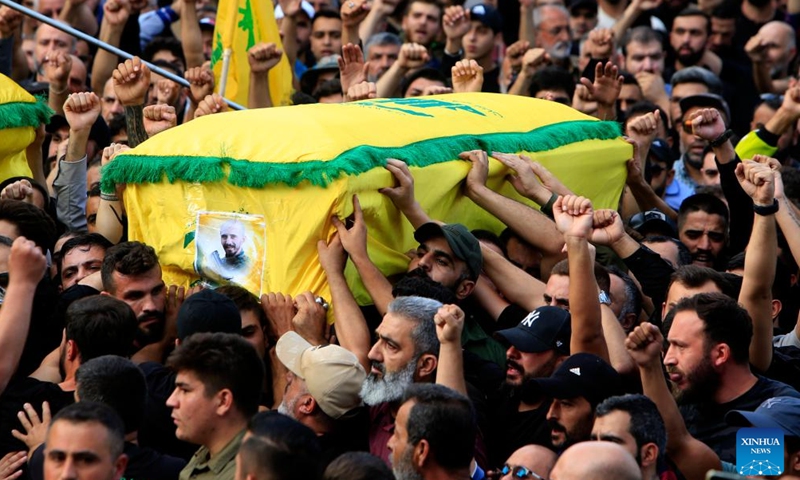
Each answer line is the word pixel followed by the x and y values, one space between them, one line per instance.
pixel 56 122
pixel 582 375
pixel 653 221
pixel 208 312
pixel 487 15
pixel 546 328
pixel 576 5
pixel 706 100
pixel 463 243
pixel 660 149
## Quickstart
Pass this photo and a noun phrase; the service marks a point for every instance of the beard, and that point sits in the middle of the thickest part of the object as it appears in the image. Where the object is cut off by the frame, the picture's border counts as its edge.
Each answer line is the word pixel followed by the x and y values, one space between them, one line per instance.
pixel 404 468
pixel 62 363
pixel 418 283
pixel 703 382
pixel 288 409
pixel 758 3
pixel 145 335
pixel 689 59
pixel 390 387
pixel 560 50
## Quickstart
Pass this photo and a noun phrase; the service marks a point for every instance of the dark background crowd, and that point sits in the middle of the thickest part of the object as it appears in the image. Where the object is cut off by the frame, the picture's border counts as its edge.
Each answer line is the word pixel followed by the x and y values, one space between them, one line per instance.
pixel 577 343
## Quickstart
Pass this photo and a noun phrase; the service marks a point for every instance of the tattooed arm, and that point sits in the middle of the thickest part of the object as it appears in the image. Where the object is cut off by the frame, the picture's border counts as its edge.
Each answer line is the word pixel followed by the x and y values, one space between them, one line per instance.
pixel 134 123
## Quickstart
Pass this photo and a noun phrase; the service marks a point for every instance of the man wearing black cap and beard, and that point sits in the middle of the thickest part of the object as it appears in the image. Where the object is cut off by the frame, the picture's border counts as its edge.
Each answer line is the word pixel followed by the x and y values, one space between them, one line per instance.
pixel 577 387
pixel 473 34
pixel 536 347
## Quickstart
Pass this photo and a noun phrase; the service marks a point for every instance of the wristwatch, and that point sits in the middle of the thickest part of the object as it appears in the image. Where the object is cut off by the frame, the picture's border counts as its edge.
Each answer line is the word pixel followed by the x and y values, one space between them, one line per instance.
pixel 603 298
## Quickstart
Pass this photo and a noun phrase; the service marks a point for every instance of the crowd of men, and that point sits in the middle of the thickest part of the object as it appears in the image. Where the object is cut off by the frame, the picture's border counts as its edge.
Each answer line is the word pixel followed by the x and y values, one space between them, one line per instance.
pixel 578 343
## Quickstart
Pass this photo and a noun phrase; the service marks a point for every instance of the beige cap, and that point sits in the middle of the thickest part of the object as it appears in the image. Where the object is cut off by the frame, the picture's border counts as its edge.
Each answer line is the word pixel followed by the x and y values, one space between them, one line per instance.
pixel 332 374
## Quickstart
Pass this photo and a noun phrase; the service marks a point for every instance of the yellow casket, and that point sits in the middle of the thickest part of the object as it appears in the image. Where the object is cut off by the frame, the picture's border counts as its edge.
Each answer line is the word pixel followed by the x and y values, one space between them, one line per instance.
pixel 278 175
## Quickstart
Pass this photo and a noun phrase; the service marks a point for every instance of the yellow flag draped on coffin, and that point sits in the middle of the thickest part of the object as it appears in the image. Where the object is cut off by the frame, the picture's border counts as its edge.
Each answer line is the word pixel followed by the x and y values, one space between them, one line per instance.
pixel 240 25
pixel 292 168
pixel 20 116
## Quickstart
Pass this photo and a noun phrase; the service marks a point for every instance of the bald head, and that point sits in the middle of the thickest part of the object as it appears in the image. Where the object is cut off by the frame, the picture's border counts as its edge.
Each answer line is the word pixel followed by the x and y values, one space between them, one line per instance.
pixel 781 46
pixel 535 458
pixel 596 461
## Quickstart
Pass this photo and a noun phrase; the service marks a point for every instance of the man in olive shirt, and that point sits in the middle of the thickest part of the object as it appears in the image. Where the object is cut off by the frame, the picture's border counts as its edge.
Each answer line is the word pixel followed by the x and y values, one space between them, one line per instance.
pixel 217 390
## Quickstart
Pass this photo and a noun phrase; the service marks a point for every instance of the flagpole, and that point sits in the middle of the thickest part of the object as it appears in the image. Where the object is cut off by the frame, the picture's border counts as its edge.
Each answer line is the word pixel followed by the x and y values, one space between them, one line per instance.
pixel 105 46
pixel 226 65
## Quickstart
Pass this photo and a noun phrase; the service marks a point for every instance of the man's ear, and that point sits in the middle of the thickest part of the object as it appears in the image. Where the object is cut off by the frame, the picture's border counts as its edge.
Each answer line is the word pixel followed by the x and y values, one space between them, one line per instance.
pixel 629 321
pixel 72 351
pixel 422 452
pixel 120 465
pixel 224 401
pixel 307 405
pixel 649 454
pixel 426 365
pixel 465 288
pixel 777 306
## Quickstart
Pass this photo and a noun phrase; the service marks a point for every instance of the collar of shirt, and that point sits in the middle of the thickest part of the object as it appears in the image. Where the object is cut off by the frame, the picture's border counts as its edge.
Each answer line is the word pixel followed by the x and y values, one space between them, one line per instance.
pixel 203 460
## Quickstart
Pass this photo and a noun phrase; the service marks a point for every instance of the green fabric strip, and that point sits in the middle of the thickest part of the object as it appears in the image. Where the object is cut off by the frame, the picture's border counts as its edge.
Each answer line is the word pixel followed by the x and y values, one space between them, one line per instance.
pixel 24 114
pixel 357 160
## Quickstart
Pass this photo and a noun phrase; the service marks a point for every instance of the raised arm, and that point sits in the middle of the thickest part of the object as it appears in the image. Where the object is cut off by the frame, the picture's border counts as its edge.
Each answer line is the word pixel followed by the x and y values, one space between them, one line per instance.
pixel 450 370
pixel 411 56
pixel 692 457
pixel 81 110
pixel 574 218
pixel 26 267
pixel 514 283
pixel 110 213
pixel 352 13
pixel 402 194
pixel 131 82
pixel 115 16
pixel 262 58
pixel 191 36
pixel 57 66
pixel 354 241
pixel 351 327
pixel 758 181
pixel 534 227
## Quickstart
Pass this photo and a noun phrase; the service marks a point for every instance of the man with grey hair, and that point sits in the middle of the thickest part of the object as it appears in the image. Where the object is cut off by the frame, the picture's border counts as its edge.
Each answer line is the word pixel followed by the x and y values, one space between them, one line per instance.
pixel 406 351
pixel 551 27
pixel 381 51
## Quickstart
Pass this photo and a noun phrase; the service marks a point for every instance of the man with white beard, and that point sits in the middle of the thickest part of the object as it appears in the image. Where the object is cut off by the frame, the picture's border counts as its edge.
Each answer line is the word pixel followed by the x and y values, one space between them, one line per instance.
pixel 406 352
pixel 322 393
pixel 551 25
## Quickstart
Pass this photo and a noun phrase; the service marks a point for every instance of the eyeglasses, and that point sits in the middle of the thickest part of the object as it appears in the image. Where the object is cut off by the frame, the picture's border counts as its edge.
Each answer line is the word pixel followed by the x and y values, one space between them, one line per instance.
pixel 771 97
pixel 519 472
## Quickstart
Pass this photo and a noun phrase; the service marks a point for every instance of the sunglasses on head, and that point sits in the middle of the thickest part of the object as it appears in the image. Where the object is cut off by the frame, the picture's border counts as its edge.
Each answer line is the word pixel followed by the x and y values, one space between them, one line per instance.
pixel 519 472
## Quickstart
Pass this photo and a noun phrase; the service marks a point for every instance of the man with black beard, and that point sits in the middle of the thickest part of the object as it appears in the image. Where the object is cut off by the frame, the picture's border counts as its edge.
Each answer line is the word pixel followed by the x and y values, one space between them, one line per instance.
pixel 689 41
pixel 709 368
pixel 536 347
pixel 577 386
pixel 132 274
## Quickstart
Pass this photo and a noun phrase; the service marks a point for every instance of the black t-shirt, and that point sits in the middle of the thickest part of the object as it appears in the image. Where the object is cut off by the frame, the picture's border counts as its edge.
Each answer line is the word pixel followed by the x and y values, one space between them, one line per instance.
pixel 157 428
pixel 143 464
pixel 19 392
pixel 511 429
pixel 706 421
pixel 351 435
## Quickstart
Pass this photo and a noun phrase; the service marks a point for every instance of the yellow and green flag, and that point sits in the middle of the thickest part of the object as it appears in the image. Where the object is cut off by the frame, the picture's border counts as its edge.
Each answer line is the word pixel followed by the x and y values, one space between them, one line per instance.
pixel 240 25
pixel 20 116
pixel 304 163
